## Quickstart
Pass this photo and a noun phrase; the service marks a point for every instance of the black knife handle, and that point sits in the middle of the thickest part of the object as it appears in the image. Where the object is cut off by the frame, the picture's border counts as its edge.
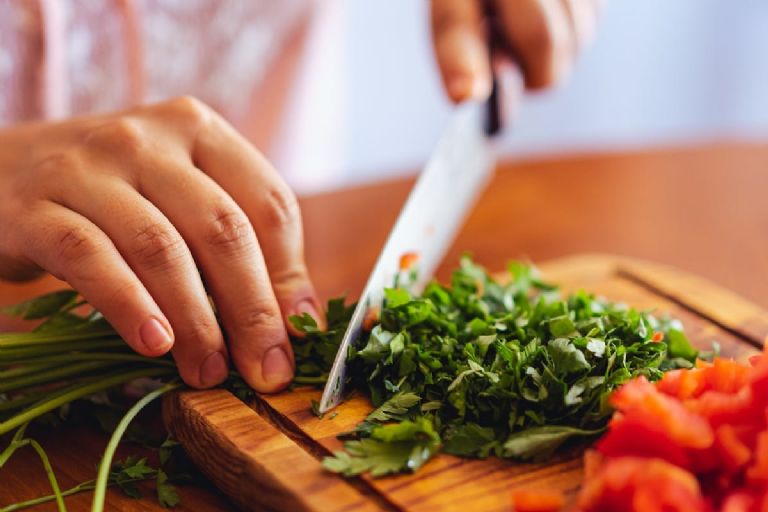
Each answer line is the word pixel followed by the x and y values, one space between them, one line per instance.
pixel 497 43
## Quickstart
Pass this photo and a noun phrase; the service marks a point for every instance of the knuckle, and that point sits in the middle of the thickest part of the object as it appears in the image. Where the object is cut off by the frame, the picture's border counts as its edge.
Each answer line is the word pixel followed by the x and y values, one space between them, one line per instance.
pixel 50 169
pixel 229 229
pixel 281 208
pixel 261 315
pixel 123 133
pixel 287 280
pixel 157 247
pixel 202 330
pixel 76 244
pixel 190 109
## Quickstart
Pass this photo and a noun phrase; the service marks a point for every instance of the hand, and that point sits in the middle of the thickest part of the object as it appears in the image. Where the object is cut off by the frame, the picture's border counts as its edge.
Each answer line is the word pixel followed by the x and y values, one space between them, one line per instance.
pixel 542 38
pixel 126 208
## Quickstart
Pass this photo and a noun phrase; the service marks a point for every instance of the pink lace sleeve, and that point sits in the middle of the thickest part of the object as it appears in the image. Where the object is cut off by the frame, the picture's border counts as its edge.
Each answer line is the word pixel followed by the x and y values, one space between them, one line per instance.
pixel 63 58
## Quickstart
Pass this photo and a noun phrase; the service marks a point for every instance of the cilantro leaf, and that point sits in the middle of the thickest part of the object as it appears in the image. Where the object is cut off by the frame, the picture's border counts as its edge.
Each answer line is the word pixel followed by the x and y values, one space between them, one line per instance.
pixel 167 494
pixel 539 443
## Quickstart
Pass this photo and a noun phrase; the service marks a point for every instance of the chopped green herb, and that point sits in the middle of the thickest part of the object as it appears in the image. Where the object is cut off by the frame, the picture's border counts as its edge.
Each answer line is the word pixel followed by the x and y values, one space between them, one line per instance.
pixel 484 367
pixel 316 409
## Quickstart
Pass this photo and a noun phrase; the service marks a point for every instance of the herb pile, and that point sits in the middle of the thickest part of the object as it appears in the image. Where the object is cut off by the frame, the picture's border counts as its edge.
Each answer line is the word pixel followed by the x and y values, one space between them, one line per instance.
pixel 483 368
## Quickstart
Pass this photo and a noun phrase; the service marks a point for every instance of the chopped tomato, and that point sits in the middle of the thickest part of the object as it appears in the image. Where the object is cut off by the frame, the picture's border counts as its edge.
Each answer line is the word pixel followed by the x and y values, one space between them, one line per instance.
pixel 682 383
pixel 718 408
pixel 657 337
pixel 661 414
pixel 757 474
pixel 739 501
pixel 371 318
pixel 734 453
pixel 758 379
pixel 641 485
pixel 640 435
pixel 408 260
pixel 536 500
pixel 726 375
pixel 697 440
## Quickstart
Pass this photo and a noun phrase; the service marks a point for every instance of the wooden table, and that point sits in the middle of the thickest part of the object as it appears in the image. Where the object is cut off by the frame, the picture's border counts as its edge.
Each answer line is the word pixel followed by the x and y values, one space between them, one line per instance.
pixel 699 209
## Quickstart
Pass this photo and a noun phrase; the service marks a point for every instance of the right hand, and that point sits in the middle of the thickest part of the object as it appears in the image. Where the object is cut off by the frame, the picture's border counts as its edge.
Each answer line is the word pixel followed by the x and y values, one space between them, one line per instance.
pixel 126 207
pixel 545 37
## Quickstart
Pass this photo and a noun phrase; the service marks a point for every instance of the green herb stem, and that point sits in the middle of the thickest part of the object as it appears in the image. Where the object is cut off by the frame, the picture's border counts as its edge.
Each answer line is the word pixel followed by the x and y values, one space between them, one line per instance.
pixel 78 391
pixel 24 339
pixel 15 355
pixel 19 441
pixel 299 379
pixel 81 487
pixel 24 369
pixel 53 375
pixel 129 356
pixel 22 401
pixel 102 478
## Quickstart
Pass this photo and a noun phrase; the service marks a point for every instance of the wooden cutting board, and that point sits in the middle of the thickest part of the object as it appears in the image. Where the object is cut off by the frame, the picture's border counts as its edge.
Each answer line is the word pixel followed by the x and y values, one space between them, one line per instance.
pixel 266 455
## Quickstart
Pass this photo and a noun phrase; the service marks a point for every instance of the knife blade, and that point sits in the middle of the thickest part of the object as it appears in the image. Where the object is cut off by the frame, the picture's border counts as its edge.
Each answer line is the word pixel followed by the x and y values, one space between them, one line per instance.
pixel 443 195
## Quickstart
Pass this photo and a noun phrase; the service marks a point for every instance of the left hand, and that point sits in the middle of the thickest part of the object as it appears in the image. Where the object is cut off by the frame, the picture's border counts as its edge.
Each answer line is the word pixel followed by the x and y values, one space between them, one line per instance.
pixel 543 38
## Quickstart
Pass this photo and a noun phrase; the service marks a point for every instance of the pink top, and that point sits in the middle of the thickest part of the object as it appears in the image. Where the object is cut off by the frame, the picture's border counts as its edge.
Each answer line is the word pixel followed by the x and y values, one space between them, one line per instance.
pixel 60 58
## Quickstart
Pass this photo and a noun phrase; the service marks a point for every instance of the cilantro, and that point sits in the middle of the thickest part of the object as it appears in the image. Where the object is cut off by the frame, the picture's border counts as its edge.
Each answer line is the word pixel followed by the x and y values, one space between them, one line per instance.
pixel 403 446
pixel 167 494
pixel 316 409
pixel 395 408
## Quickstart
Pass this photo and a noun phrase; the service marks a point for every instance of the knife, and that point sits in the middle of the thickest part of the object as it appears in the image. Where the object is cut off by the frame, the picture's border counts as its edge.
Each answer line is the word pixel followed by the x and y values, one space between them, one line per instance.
pixel 439 202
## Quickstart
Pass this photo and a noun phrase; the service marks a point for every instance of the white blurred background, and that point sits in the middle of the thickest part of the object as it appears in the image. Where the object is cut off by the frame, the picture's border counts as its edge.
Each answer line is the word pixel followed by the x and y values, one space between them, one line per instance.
pixel 367 103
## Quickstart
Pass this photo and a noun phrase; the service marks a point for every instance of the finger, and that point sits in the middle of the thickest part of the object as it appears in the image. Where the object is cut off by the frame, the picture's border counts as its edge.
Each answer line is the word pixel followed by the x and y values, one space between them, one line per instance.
pixel 158 255
pixel 72 248
pixel 270 205
pixel 541 35
pixel 224 243
pixel 461 48
pixel 582 15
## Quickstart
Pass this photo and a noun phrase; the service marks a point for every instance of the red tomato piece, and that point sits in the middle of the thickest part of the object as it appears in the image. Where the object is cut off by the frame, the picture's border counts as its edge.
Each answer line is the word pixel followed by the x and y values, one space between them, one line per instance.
pixel 733 452
pixel 641 485
pixel 408 260
pixel 719 408
pixel 757 473
pixel 536 500
pixel 371 318
pixel 738 501
pixel 726 375
pixel 640 399
pixel 682 383
pixel 642 436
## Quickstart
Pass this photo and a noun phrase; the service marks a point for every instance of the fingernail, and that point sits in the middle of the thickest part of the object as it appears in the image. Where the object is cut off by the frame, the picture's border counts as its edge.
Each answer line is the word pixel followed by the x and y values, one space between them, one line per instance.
pixel 276 367
pixel 154 336
pixel 307 306
pixel 460 87
pixel 213 369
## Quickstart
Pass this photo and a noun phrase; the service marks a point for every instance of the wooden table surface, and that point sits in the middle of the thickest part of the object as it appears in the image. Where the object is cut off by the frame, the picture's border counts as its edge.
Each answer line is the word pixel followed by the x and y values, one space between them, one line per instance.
pixel 701 209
